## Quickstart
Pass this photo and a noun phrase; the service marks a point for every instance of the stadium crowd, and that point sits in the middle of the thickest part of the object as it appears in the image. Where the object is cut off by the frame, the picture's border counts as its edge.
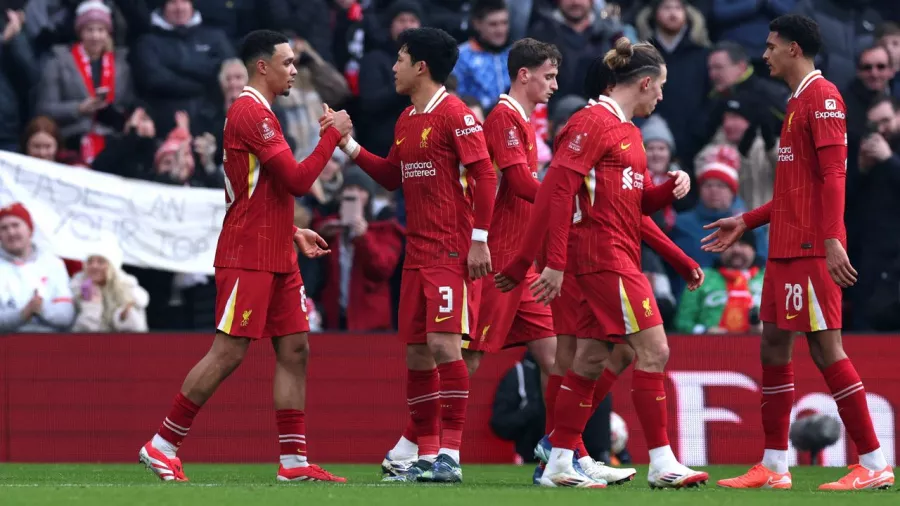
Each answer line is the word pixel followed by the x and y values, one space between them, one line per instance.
pixel 140 88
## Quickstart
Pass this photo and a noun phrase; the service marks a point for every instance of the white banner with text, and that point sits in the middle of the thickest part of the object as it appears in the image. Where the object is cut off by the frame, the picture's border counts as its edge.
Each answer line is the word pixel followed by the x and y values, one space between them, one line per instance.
pixel 173 228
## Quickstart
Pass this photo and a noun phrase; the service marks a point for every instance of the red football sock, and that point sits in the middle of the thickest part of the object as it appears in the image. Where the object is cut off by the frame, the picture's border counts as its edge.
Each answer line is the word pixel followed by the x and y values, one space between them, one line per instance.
pixel 410 431
pixel 850 397
pixel 603 385
pixel 291 432
pixel 553 383
pixel 176 426
pixel 454 399
pixel 573 409
pixel 648 394
pixel 424 402
pixel 776 402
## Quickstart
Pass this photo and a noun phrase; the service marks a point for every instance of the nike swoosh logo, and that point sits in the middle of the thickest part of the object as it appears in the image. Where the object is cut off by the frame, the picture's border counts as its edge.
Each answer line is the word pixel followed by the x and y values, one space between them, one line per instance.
pixel 583 405
pixel 661 398
pixel 792 316
pixel 861 484
pixel 438 319
pixel 779 481
pixel 625 146
pixel 400 141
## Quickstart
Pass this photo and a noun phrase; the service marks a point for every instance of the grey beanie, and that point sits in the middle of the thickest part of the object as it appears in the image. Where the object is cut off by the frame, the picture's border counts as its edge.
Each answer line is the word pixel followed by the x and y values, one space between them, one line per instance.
pixel 656 129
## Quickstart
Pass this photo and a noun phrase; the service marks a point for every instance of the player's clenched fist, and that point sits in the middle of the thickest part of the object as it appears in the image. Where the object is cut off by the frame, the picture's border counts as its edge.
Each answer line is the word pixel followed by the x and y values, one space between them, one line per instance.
pixel 338 119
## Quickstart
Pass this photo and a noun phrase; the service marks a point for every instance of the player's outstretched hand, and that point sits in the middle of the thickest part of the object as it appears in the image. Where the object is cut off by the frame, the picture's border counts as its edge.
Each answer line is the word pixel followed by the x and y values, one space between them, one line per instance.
pixel 504 284
pixel 696 280
pixel 682 183
pixel 727 232
pixel 548 286
pixel 310 243
pixel 479 260
pixel 839 264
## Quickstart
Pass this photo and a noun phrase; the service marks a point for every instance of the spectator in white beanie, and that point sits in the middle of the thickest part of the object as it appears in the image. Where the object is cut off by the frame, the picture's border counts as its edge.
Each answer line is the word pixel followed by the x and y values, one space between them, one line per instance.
pixel 106 298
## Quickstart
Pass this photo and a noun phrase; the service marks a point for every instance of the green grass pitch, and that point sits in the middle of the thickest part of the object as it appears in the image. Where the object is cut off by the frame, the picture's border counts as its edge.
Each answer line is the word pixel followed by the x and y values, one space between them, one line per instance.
pixel 244 485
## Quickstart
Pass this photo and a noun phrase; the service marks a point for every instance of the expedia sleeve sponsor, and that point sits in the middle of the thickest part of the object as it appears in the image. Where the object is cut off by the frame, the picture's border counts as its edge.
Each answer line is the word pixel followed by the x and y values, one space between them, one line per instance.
pixel 460 132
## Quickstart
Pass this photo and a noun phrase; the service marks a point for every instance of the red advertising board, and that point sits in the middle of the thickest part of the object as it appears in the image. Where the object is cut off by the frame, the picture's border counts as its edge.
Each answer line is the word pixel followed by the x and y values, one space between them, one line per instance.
pixel 98 398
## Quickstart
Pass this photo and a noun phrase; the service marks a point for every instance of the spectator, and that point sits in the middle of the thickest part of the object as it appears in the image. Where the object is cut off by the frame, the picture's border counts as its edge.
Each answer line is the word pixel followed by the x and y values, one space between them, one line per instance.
pixel 741 130
pixel 34 295
pixel 481 67
pixel 718 187
pixel 731 74
pixel 312 21
pixel 237 18
pixel 679 33
pixel 879 195
pixel 130 153
pixel 379 103
pixel 317 82
pixel 365 252
pixel 659 144
pixel 175 161
pixel 517 413
pixel 106 298
pixel 580 35
pixel 87 87
pixel 41 140
pixel 888 35
pixel 177 63
pixel 19 72
pixel 849 25
pixel 873 75
pixel 322 199
pixel 746 22
pixel 728 301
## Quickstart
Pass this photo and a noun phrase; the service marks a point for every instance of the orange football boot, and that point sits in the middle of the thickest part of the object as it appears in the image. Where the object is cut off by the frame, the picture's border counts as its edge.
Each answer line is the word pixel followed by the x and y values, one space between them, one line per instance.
pixel 860 478
pixel 759 476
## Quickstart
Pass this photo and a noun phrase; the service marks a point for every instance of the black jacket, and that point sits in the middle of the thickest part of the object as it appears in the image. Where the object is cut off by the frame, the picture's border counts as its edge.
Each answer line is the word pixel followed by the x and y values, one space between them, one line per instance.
pixel 518 411
pixel 379 104
pixel 19 73
pixel 578 49
pixel 176 67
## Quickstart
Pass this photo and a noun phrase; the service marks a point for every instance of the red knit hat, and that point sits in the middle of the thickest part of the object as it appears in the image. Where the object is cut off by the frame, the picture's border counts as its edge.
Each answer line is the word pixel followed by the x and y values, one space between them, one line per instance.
pixel 720 171
pixel 18 210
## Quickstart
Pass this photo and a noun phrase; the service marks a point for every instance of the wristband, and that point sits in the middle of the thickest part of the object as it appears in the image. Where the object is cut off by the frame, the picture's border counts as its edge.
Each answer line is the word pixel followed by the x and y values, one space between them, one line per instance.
pixel 351 148
pixel 479 235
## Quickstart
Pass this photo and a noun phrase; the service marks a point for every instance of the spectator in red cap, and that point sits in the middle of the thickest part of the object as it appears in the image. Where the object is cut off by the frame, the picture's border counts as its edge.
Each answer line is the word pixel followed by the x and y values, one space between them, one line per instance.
pixel 718 187
pixel 34 284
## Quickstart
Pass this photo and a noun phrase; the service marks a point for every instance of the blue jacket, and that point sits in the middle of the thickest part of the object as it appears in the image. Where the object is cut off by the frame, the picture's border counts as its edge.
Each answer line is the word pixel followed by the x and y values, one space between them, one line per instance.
pixel 747 21
pixel 688 231
pixel 481 74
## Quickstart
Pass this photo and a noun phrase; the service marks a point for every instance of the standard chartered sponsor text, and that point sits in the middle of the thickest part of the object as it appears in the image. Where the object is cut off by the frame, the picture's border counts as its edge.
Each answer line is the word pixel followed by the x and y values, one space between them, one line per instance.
pixel 418 169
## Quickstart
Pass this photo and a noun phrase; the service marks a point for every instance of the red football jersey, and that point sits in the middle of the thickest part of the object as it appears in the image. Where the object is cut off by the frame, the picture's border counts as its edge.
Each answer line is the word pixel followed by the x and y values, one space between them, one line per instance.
pixel 599 143
pixel 815 118
pixel 432 149
pixel 258 230
pixel 510 141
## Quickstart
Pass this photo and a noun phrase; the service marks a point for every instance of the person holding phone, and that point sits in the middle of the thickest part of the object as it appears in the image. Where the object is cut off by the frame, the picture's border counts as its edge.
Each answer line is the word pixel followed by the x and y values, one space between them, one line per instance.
pixel 86 87
pixel 356 294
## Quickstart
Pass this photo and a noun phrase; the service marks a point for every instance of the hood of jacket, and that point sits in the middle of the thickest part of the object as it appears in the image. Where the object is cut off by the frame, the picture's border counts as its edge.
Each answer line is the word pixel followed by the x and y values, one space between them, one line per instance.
pixel 698 33
pixel 158 21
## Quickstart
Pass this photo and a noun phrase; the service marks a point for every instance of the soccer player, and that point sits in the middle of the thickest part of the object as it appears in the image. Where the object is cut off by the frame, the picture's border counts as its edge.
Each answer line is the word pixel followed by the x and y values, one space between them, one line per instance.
pixel 512 319
pixel 807 265
pixel 597 155
pixel 567 308
pixel 259 290
pixel 438 151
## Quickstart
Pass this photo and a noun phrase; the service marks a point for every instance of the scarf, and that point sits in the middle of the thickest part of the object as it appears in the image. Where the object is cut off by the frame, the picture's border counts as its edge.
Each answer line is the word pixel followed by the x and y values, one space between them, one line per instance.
pixel 93 143
pixel 736 315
